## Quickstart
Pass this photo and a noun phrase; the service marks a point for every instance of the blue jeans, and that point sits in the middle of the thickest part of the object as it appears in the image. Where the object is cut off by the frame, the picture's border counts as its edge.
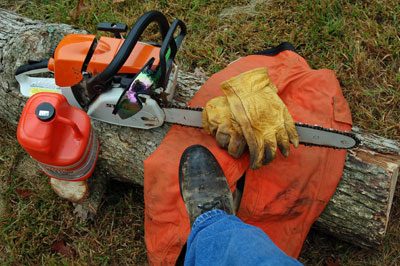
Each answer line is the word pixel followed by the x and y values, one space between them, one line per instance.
pixel 221 239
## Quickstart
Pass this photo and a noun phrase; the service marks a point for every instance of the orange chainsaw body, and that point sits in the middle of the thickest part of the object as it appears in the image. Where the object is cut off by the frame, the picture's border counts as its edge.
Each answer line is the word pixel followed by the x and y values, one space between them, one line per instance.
pixel 71 53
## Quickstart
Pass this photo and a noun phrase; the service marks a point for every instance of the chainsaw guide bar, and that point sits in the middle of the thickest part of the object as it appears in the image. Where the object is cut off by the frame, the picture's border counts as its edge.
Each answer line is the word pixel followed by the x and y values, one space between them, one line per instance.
pixel 309 135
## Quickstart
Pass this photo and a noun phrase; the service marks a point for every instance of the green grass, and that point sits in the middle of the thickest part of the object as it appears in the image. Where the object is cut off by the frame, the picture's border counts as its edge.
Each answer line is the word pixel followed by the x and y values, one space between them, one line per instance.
pixel 360 40
pixel 33 223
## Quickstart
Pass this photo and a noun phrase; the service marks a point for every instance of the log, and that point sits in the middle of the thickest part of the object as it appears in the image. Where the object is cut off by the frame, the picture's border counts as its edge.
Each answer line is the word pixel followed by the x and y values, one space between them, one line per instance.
pixel 360 208
pixel 358 212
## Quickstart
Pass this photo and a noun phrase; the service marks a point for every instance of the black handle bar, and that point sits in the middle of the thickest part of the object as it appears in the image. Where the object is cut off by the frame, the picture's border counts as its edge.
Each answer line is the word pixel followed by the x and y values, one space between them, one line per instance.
pixel 32 65
pixel 123 53
pixel 172 44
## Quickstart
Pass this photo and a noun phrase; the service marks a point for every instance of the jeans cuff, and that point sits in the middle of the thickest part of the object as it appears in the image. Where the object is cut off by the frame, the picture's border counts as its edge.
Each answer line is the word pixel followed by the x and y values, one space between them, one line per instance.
pixel 207 216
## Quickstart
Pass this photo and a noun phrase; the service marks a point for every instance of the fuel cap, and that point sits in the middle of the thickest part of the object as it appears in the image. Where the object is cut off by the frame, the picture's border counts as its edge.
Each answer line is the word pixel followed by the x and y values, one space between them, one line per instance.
pixel 45 112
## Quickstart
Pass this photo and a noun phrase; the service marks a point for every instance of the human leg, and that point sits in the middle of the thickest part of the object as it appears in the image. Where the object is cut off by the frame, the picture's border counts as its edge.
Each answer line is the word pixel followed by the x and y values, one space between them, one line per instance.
pixel 217 236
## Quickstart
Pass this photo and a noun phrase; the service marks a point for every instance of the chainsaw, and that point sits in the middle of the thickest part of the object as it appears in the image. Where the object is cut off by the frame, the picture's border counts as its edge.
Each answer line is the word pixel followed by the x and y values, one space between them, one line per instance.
pixel 97 75
pixel 128 82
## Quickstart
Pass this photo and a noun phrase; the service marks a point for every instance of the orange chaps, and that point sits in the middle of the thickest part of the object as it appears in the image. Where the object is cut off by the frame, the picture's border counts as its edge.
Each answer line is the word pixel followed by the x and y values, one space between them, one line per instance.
pixel 283 198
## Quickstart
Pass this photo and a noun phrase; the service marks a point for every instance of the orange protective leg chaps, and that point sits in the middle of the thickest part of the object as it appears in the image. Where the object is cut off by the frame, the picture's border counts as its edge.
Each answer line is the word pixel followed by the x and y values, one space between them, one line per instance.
pixel 283 198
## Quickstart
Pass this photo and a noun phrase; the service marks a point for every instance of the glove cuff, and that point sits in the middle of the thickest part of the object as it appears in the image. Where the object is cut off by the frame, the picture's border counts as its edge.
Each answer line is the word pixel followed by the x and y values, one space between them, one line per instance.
pixel 249 82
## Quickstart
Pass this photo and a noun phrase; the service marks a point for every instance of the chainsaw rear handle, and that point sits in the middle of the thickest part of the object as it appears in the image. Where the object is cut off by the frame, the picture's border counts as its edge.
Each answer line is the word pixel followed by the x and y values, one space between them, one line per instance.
pixel 32 65
pixel 97 83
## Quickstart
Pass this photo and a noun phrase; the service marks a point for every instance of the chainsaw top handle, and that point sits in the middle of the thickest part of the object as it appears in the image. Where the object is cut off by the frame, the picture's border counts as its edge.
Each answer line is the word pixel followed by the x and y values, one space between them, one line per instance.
pixel 98 83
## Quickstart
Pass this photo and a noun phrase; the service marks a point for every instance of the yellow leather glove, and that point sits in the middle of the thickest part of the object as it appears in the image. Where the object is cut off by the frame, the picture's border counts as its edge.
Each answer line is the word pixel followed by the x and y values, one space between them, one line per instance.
pixel 263 117
pixel 217 121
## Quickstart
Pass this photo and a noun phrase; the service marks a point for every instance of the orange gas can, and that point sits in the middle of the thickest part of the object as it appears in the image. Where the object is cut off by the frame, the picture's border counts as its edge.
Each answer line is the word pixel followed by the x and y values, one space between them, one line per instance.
pixel 58 136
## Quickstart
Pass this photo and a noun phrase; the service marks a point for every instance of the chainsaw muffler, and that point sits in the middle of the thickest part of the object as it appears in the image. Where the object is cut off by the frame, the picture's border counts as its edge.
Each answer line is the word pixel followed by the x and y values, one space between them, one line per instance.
pixel 59 137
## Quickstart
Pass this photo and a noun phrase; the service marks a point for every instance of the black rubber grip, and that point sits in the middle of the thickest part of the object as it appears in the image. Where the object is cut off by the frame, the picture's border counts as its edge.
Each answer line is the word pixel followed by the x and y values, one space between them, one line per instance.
pixel 285 46
pixel 173 44
pixel 32 66
pixel 133 37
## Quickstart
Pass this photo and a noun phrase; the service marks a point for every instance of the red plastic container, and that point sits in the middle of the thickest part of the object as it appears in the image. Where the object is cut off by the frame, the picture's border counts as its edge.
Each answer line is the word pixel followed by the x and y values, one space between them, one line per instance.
pixel 58 136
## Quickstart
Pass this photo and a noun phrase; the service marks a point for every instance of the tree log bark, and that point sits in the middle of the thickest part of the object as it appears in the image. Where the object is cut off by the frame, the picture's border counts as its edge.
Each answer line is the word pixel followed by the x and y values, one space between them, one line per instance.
pixel 358 212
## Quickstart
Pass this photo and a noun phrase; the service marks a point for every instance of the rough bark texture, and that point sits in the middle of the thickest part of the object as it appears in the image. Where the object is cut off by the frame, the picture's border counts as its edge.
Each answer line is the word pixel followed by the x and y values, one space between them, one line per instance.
pixel 97 184
pixel 358 212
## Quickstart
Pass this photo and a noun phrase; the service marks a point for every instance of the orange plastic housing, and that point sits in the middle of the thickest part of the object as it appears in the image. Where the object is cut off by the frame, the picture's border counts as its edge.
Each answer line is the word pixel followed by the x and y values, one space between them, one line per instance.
pixel 73 49
pixel 65 146
pixel 69 57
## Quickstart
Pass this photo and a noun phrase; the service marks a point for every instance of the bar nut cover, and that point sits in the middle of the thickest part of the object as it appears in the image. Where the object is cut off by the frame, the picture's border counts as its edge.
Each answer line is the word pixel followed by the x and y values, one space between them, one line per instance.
pixel 58 136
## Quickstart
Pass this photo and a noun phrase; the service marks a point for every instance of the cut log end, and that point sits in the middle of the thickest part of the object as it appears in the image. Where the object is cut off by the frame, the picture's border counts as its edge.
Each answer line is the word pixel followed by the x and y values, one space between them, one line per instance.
pixel 360 209
pixel 75 192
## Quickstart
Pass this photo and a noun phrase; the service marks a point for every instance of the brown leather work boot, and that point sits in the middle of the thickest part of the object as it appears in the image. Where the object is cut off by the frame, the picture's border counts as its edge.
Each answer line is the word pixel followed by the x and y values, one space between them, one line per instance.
pixel 202 183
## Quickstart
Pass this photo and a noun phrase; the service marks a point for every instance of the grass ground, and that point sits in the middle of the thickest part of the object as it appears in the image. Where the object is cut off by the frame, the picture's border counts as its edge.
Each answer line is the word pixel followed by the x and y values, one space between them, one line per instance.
pixel 360 40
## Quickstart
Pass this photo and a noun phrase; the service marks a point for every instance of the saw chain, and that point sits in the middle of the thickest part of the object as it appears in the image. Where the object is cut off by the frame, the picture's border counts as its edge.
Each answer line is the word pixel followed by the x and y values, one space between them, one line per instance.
pixel 309 134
